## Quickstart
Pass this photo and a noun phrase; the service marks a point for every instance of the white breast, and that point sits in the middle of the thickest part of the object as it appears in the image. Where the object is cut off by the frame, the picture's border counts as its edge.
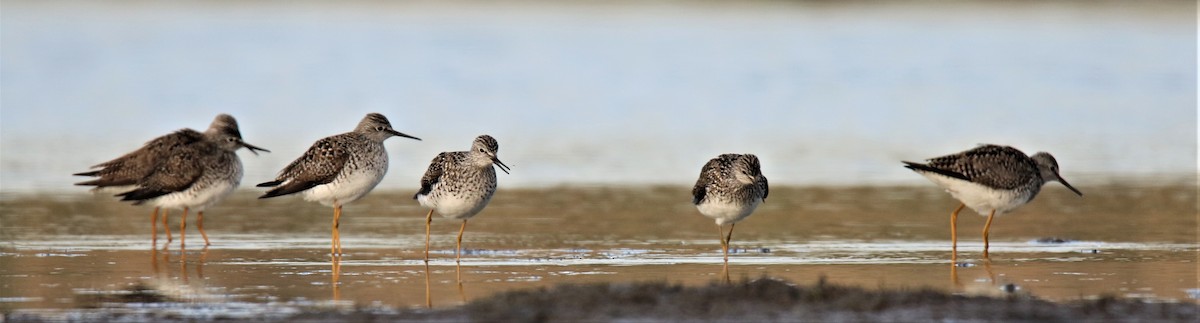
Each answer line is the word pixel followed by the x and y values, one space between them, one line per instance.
pixel 727 212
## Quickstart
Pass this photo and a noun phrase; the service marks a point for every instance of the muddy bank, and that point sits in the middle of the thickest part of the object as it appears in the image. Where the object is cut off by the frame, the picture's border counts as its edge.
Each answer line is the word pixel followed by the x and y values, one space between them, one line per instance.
pixel 767 299
pixel 758 300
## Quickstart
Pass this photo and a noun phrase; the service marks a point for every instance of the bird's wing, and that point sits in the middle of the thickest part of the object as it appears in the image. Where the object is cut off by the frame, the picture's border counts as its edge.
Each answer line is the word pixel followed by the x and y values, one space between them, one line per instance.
pixel 434 173
pixel 709 174
pixel 176 173
pixel 991 165
pixel 766 189
pixel 319 165
pixel 135 166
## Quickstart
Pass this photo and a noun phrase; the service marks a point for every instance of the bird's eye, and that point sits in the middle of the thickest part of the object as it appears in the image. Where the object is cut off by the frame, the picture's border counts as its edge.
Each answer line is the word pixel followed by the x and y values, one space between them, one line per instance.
pixel 379 128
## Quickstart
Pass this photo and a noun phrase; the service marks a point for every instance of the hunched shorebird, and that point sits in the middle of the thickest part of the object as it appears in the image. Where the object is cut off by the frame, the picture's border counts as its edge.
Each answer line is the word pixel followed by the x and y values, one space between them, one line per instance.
pixel 990 179
pixel 459 184
pixel 185 169
pixel 730 187
pixel 339 169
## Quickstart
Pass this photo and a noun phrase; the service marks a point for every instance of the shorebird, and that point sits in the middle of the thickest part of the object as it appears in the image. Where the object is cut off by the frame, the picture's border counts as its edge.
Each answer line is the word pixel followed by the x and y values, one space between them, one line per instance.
pixel 185 169
pixel 339 169
pixel 459 184
pixel 990 179
pixel 730 187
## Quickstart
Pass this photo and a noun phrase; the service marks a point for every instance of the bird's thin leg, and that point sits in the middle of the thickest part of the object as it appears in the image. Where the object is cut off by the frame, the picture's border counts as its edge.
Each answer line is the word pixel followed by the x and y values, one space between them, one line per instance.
pixel 183 228
pixel 335 244
pixel 987 226
pixel 154 226
pixel 729 240
pixel 954 233
pixel 724 244
pixel 458 247
pixel 428 220
pixel 166 229
pixel 339 239
pixel 200 225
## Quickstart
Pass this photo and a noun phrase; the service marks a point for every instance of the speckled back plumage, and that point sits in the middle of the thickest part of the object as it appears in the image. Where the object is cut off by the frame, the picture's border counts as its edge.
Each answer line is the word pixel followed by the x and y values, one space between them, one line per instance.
pixel 1000 167
pixel 717 180
pixel 720 194
pixel 136 165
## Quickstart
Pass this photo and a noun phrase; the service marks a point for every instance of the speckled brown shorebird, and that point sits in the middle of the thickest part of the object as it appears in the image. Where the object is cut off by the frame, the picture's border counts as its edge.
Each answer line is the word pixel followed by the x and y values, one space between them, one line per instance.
pixel 339 169
pixel 991 180
pixel 730 187
pixel 185 169
pixel 459 184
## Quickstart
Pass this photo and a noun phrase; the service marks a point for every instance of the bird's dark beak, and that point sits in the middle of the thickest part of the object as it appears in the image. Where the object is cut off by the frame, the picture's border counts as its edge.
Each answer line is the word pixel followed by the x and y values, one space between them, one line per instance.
pixel 1068 185
pixel 252 148
pixel 501 165
pixel 400 134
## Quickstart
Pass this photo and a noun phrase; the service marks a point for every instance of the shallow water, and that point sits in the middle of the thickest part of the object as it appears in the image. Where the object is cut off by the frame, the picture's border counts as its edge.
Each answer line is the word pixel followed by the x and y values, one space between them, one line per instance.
pixel 271 257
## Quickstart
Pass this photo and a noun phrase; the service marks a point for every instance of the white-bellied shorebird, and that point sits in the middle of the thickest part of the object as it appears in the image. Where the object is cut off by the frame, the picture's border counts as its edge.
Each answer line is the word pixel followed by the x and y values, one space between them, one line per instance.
pixel 730 187
pixel 991 180
pixel 185 169
pixel 339 169
pixel 459 184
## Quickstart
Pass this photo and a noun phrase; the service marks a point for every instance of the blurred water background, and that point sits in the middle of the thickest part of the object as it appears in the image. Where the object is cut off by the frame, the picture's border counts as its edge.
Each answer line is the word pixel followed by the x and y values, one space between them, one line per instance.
pixel 826 93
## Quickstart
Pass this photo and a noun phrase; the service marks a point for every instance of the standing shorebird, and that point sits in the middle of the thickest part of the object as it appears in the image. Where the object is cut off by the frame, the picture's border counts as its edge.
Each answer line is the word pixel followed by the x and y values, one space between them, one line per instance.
pixel 459 184
pixel 184 169
pixel 339 169
pixel 730 187
pixel 991 180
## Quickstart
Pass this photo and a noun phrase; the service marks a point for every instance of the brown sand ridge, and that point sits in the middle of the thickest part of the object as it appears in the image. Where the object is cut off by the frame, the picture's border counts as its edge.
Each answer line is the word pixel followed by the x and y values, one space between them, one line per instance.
pixel 766 299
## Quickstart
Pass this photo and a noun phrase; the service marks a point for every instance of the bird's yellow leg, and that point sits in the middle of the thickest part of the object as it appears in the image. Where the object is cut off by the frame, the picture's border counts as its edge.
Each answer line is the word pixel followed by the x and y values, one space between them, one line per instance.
pixel 986 227
pixel 183 228
pixel 724 244
pixel 335 245
pixel 729 237
pixel 428 220
pixel 954 233
pixel 458 247
pixel 339 239
pixel 729 241
pixel 154 226
pixel 200 225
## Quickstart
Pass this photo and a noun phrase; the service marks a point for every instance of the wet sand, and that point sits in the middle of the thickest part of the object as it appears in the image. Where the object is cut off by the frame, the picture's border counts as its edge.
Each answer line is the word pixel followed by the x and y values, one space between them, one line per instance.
pixel 71 254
